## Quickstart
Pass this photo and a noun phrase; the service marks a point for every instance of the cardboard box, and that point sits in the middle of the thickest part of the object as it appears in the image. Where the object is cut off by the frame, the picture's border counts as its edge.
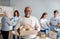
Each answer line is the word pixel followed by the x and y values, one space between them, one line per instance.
pixel 53 34
pixel 25 33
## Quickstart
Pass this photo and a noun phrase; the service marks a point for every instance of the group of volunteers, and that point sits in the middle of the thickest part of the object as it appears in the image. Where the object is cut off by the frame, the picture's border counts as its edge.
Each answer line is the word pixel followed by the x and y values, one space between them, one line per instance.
pixel 18 21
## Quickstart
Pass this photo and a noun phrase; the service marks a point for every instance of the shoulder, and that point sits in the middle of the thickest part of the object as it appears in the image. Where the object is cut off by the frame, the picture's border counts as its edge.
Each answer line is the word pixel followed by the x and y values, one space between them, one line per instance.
pixel 21 18
pixel 33 17
pixel 2 18
pixel 45 20
pixel 58 18
pixel 41 20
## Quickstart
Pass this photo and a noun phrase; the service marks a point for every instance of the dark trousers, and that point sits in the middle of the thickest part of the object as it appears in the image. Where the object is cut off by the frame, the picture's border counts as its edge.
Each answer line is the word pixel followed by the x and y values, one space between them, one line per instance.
pixel 5 34
pixel 17 37
pixel 14 35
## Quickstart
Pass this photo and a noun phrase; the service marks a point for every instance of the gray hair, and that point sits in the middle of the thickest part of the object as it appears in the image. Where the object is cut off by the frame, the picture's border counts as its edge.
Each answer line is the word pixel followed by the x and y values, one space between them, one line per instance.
pixel 4 13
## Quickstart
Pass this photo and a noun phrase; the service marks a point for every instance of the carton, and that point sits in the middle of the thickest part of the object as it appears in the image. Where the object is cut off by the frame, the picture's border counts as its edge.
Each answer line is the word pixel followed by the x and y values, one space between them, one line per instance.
pixel 53 34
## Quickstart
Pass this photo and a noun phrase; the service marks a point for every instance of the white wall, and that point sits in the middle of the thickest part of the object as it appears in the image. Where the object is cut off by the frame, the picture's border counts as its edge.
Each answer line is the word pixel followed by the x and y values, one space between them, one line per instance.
pixel 4 2
pixel 38 6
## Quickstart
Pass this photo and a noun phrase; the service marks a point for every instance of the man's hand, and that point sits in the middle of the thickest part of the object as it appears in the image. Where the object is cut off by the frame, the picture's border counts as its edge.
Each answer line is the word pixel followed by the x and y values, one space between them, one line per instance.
pixel 58 25
pixel 22 28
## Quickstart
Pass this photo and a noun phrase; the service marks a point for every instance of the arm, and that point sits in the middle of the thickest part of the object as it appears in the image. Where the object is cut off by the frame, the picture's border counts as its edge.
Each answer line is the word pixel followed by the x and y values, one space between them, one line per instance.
pixel 48 24
pixel 7 20
pixel 41 25
pixel 37 25
pixel 17 24
pixel 58 24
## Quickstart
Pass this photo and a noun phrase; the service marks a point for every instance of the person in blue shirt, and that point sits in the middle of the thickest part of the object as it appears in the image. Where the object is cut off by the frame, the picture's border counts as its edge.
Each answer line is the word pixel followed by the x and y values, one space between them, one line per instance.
pixel 5 25
pixel 14 20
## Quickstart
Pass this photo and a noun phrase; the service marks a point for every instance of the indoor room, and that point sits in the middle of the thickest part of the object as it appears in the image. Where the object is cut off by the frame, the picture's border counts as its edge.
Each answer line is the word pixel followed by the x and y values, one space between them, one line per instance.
pixel 29 19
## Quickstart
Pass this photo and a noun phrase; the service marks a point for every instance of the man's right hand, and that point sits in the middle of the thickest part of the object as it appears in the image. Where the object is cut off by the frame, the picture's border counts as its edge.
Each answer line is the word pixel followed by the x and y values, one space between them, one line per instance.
pixel 58 25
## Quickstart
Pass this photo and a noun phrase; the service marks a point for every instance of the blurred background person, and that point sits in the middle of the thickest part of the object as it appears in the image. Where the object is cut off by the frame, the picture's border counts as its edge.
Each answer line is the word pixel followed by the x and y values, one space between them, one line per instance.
pixel 28 21
pixel 44 22
pixel 55 20
pixel 5 25
pixel 15 20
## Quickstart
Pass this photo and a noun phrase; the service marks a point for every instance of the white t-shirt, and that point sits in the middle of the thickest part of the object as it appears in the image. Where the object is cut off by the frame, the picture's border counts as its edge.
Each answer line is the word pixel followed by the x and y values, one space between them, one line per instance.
pixel 43 22
pixel 32 21
pixel 54 21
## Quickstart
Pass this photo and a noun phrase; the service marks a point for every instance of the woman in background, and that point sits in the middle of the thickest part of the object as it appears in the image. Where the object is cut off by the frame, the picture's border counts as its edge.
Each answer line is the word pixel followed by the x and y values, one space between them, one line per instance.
pixel 43 22
pixel 14 21
pixel 5 25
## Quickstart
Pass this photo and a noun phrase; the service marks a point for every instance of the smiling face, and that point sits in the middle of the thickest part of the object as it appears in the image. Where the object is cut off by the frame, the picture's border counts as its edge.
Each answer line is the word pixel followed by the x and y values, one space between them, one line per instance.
pixel 28 12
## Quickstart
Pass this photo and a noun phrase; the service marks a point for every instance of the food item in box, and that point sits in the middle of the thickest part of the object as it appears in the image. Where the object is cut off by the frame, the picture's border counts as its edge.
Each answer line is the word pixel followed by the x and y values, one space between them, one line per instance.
pixel 27 27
